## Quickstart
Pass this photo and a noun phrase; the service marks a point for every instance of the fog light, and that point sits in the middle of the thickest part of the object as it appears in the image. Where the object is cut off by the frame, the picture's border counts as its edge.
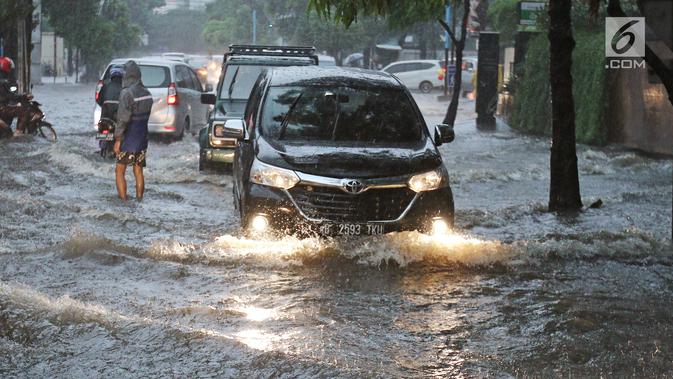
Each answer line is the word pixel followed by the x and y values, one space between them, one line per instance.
pixel 439 227
pixel 259 223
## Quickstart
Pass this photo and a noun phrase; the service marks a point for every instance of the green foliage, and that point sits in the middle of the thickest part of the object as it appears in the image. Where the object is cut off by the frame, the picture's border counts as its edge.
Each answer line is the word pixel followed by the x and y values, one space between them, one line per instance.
pixel 290 20
pixel 401 13
pixel 504 18
pixel 532 111
pixel 99 30
pixel 231 22
pixel 10 12
pixel 13 10
pixel 175 31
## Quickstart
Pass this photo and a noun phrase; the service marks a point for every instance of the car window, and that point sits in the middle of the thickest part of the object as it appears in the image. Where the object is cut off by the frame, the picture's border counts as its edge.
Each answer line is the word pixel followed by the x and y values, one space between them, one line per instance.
pixel 320 113
pixel 183 78
pixel 393 69
pixel 425 66
pixel 152 76
pixel 196 83
pixel 243 78
pixel 406 67
pixel 155 76
pixel 251 110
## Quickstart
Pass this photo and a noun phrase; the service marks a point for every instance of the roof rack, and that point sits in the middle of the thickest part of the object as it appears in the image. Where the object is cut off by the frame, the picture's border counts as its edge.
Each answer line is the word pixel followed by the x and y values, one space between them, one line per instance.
pixel 295 51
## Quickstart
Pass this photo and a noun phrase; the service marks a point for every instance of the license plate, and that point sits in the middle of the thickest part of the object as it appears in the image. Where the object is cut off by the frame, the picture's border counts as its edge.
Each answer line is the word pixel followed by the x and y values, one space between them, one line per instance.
pixel 105 137
pixel 347 229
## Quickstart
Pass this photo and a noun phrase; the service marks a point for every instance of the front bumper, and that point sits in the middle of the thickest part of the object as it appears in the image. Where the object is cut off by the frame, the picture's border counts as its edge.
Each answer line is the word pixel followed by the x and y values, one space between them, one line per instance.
pixel 286 215
pixel 220 155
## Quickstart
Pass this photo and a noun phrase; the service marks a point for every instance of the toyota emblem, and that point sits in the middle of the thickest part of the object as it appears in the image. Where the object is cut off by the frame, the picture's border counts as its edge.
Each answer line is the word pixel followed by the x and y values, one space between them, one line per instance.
pixel 352 186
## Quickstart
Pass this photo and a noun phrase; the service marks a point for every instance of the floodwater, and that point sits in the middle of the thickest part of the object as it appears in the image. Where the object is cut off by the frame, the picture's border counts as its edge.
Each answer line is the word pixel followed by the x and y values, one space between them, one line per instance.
pixel 92 287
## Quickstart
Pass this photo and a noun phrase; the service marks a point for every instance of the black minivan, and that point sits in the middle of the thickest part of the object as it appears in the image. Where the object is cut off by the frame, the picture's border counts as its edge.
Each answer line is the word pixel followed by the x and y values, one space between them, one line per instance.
pixel 338 152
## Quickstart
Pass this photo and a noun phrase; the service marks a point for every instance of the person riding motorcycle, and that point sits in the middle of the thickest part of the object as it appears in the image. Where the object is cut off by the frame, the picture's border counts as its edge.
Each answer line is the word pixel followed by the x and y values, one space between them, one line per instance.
pixel 109 94
pixel 9 96
pixel 109 104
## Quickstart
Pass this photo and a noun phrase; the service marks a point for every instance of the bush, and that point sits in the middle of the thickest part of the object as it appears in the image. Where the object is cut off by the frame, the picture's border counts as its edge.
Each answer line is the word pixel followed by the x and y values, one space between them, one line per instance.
pixel 532 109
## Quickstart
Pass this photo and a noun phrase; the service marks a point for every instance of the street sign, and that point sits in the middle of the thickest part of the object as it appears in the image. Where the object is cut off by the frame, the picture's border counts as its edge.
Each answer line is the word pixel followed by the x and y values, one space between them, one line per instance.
pixel 529 12
pixel 452 75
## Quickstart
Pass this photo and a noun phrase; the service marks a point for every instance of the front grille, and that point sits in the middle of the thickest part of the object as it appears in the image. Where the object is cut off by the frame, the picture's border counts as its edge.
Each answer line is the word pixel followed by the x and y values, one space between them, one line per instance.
pixel 333 204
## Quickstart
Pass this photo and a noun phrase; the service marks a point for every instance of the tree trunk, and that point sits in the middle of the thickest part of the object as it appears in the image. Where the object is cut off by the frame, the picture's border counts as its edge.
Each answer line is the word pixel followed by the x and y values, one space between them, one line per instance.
pixel 564 189
pixel 422 41
pixel 451 113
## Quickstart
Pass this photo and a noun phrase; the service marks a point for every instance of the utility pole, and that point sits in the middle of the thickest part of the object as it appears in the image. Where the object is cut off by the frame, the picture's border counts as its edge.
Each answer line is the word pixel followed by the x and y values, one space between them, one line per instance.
pixel 254 26
pixel 55 57
pixel 447 47
pixel 22 56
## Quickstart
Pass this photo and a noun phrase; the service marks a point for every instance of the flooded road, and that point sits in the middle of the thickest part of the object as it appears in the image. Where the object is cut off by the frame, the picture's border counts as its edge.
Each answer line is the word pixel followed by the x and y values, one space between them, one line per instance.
pixel 169 287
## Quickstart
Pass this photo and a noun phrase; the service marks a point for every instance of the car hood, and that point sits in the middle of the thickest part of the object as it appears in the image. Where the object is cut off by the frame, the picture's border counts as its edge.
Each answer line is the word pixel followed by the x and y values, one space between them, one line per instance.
pixel 341 161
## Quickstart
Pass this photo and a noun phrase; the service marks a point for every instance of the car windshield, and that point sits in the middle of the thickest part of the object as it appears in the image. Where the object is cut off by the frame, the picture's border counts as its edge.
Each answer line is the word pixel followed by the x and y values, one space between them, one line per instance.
pixel 238 81
pixel 345 114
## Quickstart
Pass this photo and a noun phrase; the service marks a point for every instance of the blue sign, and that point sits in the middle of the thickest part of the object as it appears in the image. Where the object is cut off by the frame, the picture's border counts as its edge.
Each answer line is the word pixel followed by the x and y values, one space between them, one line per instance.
pixel 451 73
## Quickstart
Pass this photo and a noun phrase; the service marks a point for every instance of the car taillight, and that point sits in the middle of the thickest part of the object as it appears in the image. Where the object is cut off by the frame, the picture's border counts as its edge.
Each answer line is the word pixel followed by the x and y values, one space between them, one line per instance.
pixel 172 94
pixel 99 87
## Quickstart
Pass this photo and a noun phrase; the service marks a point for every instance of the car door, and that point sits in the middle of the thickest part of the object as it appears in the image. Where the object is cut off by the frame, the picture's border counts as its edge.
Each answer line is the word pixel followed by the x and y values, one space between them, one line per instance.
pixel 185 93
pixel 200 110
pixel 244 154
pixel 407 75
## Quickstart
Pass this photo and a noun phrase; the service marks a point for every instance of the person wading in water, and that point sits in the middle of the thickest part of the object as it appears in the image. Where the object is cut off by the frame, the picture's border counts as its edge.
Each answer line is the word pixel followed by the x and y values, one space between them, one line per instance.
pixel 135 105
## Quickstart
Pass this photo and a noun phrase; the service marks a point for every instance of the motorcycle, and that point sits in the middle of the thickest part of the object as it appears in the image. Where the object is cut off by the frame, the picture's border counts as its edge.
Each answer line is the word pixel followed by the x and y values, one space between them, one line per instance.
pixel 105 137
pixel 33 120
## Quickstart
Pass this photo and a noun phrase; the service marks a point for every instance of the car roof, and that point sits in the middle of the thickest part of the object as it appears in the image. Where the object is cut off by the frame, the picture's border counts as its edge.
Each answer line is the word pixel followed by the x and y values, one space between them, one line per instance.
pixel 416 61
pixel 331 76
pixel 269 60
pixel 149 61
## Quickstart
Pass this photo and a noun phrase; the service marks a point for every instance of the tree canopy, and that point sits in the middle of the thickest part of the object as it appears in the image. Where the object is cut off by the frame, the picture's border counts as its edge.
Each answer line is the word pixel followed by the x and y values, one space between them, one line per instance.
pixel 99 30
pixel 405 12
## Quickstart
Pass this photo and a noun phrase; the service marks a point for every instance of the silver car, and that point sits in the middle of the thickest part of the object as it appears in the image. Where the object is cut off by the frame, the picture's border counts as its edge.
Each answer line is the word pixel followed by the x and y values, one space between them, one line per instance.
pixel 176 91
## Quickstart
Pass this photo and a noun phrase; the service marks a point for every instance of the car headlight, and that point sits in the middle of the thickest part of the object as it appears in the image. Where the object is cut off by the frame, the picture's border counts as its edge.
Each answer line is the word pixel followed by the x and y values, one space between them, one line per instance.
pixel 218 130
pixel 267 175
pixel 428 181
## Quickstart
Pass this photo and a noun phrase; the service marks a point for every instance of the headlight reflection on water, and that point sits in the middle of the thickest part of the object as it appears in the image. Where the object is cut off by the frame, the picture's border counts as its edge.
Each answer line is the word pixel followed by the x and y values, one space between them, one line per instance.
pixel 258 314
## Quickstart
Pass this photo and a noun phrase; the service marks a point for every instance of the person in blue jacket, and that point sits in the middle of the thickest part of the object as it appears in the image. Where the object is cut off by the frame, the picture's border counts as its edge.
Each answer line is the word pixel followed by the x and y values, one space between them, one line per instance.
pixel 135 106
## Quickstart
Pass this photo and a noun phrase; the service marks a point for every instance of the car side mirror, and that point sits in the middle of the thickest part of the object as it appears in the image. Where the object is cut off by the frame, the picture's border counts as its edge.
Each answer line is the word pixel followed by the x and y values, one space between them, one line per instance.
pixel 209 88
pixel 234 129
pixel 444 134
pixel 208 98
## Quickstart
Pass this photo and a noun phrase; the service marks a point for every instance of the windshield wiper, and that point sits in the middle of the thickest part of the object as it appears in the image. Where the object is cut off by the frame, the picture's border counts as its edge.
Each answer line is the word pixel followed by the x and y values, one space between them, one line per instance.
pixel 286 118
pixel 233 81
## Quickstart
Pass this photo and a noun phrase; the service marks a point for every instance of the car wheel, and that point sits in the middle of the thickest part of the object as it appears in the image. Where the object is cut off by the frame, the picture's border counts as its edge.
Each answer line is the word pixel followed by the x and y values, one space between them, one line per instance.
pixel 202 164
pixel 182 132
pixel 425 87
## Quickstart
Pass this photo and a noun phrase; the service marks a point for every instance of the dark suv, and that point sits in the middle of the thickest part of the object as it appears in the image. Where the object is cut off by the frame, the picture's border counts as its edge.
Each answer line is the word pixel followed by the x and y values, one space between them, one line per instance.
pixel 242 65
pixel 338 152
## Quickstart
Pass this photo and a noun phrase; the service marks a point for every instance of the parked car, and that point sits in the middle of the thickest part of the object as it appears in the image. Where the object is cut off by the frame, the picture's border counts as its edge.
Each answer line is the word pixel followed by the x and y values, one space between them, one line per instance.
pixel 426 75
pixel 338 152
pixel 176 91
pixel 423 75
pixel 242 66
